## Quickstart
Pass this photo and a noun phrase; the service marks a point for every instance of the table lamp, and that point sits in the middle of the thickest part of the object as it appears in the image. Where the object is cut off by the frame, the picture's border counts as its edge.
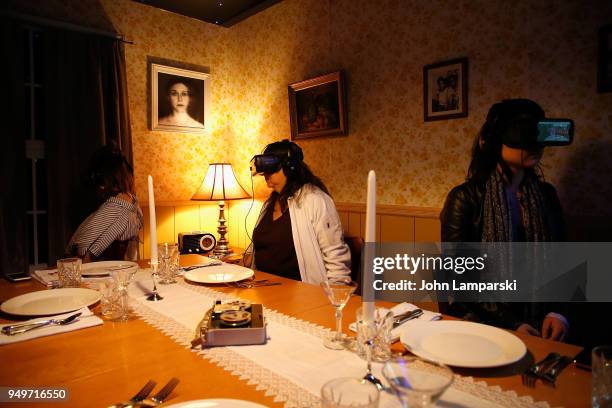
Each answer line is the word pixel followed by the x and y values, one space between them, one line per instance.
pixel 220 184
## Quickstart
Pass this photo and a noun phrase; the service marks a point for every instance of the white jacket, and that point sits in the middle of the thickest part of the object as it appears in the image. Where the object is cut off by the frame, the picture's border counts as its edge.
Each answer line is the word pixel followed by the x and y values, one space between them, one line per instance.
pixel 317 235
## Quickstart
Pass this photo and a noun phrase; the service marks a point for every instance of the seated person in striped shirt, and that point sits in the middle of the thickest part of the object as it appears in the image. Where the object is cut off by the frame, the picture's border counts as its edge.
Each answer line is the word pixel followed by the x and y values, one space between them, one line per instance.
pixel 108 232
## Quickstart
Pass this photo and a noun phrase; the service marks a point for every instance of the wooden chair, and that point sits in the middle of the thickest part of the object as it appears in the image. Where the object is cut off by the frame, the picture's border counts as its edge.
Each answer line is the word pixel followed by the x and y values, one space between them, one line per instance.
pixel 355 245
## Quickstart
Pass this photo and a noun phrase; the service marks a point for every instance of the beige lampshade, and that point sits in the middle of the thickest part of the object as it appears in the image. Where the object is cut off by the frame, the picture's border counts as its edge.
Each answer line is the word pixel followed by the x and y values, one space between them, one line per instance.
pixel 220 184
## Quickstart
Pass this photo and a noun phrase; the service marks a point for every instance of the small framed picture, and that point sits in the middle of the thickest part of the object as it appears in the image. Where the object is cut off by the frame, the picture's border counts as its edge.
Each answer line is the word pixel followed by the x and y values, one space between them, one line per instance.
pixel 604 69
pixel 317 107
pixel 179 97
pixel 445 90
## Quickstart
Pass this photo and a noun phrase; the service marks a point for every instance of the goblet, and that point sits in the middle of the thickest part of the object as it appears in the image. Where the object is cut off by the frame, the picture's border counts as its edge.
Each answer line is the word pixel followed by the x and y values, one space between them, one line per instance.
pixel 122 278
pixel 338 291
pixel 168 262
pixel 349 393
pixel 417 382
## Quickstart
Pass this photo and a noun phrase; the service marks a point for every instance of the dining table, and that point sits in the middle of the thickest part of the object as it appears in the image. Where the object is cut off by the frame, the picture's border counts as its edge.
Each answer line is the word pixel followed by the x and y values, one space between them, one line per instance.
pixel 104 364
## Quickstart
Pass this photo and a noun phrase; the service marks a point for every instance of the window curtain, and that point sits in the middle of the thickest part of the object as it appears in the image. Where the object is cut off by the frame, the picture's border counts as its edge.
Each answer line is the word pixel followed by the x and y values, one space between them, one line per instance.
pixel 13 222
pixel 86 108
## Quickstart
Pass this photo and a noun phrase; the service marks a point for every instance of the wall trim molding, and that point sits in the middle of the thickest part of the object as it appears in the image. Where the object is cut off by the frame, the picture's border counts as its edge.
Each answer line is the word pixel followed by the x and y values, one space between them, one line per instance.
pixel 389 209
pixel 381 209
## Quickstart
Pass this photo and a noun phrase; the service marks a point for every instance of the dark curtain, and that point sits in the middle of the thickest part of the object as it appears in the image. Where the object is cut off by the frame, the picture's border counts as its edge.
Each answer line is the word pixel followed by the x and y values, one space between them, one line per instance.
pixel 14 230
pixel 87 107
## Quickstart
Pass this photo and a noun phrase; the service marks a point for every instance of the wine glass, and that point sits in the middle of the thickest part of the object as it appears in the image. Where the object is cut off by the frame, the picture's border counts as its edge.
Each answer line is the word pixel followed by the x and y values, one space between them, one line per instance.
pixel 338 291
pixel 417 382
pixel 122 278
pixel 349 393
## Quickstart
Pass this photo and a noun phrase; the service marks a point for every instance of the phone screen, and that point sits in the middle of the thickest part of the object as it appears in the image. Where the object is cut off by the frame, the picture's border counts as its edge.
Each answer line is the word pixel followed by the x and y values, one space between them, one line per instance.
pixel 555 132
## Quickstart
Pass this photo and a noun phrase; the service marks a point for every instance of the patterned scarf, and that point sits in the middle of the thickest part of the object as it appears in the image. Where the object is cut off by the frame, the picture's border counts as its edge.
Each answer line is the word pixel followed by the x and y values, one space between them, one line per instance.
pixel 497 218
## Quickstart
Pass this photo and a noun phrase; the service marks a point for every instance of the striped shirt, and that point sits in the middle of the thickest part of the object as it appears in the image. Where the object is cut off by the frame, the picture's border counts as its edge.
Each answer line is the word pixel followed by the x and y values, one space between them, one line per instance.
pixel 114 220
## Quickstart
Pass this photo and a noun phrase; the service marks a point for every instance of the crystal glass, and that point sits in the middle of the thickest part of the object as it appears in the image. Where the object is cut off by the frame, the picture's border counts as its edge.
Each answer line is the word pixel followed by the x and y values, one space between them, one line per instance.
pixel 109 300
pixel 416 382
pixel 349 393
pixel 381 339
pixel 602 377
pixel 69 272
pixel 168 255
pixel 338 292
pixel 122 278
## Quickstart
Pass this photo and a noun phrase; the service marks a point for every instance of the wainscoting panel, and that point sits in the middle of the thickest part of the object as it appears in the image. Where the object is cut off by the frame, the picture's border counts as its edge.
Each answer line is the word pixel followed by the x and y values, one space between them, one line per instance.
pixel 393 223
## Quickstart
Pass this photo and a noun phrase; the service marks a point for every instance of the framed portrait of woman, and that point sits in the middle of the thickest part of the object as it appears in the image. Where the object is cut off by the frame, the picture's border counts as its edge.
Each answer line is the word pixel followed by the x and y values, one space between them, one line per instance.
pixel 179 97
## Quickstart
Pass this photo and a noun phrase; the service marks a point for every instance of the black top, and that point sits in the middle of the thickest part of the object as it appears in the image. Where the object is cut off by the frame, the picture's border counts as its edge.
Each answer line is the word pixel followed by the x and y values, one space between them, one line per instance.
pixel 462 221
pixel 462 215
pixel 274 250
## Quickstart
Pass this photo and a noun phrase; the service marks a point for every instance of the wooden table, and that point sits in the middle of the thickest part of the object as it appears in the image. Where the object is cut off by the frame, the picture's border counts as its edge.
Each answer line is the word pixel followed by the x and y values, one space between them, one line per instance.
pixel 108 363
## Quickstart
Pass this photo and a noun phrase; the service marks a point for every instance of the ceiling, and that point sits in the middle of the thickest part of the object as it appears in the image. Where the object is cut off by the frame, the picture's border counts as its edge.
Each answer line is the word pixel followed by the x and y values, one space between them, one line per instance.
pixel 221 12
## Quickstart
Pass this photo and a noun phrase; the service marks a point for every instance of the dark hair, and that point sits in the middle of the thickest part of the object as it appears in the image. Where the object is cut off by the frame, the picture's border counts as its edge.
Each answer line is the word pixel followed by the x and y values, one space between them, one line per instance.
pixel 110 173
pixel 487 147
pixel 297 172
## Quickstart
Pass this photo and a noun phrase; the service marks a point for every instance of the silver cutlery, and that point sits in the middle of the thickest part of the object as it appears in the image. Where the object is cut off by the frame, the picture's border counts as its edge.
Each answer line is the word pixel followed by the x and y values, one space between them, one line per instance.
pixel 550 375
pixel 252 284
pixel 25 327
pixel 403 318
pixel 140 395
pixel 191 267
pixel 530 376
pixel 161 396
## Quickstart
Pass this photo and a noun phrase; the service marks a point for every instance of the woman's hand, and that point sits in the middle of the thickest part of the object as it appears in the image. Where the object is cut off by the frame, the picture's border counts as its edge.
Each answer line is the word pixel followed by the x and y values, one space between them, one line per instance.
pixel 553 328
pixel 527 329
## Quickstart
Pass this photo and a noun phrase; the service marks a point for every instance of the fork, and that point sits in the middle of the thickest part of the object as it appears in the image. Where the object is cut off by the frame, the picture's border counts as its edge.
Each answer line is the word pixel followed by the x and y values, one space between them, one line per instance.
pixel 160 397
pixel 140 395
pixel 25 327
pixel 246 284
pixel 530 376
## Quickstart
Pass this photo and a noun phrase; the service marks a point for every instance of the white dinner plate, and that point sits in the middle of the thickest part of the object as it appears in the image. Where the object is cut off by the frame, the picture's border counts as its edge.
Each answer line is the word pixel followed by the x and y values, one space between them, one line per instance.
pixel 50 302
pixel 216 403
pixel 463 344
pixel 103 268
pixel 224 273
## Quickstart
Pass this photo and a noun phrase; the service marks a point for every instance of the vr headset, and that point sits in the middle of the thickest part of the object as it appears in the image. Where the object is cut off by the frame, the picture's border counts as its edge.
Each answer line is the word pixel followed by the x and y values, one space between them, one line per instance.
pixel 521 124
pixel 266 164
pixel 524 134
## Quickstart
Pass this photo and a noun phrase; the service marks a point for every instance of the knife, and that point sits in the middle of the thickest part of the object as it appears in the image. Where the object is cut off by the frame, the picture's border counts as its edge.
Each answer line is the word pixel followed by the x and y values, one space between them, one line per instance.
pixel 550 374
pixel 403 318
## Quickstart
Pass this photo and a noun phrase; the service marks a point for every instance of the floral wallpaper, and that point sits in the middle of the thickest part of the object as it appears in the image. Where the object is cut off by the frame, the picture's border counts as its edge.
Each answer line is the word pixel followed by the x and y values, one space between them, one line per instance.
pixel 543 50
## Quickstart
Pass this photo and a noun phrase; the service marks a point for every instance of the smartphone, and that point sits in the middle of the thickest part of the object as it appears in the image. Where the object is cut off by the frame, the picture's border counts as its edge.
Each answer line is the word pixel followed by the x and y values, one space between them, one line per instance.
pixel 17 277
pixel 555 132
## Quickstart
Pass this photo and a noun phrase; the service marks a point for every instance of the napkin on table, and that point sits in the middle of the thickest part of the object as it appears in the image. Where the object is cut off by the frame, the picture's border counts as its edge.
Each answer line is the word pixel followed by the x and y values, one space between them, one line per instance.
pixel 86 319
pixel 47 277
pixel 398 310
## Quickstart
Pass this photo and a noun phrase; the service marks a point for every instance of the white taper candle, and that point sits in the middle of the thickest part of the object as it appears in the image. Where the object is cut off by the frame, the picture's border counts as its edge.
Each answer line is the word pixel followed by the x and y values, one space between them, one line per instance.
pixel 152 223
pixel 370 239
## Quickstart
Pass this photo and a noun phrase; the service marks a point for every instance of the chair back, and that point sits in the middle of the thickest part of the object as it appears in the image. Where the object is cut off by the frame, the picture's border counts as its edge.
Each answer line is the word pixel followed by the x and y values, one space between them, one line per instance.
pixel 355 245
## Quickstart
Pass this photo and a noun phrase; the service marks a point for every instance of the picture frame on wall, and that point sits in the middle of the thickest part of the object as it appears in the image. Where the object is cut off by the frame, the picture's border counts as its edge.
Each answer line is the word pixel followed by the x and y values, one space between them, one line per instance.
pixel 604 69
pixel 179 97
pixel 445 90
pixel 317 107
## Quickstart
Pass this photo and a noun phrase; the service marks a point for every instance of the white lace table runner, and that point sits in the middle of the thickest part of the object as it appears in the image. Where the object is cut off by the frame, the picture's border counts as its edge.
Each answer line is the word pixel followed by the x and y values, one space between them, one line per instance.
pixel 293 365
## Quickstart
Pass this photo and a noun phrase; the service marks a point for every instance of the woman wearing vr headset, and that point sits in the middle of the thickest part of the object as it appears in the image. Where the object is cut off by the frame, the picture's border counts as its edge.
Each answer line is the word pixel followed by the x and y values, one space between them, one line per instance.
pixel 505 200
pixel 108 232
pixel 298 234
